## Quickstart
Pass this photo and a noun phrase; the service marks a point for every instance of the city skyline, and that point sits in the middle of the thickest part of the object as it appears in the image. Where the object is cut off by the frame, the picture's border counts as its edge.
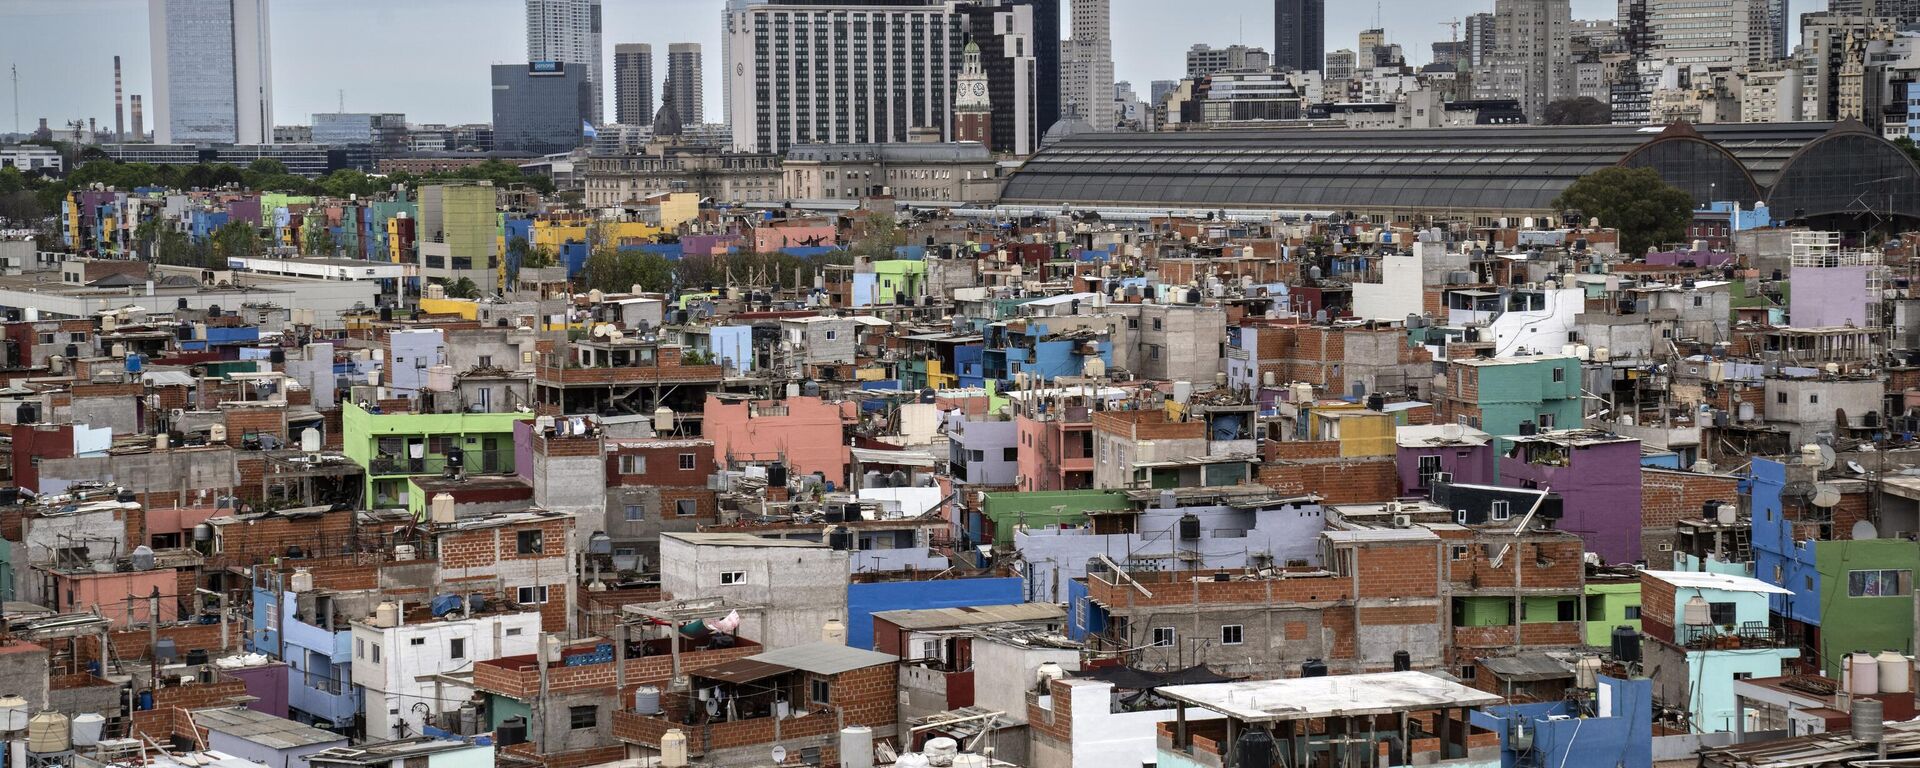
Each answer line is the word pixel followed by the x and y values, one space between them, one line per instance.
pixel 1149 43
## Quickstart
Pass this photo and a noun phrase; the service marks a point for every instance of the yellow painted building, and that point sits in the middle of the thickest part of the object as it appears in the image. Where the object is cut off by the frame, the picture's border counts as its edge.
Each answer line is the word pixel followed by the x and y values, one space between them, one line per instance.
pixel 1361 432
pixel 467 309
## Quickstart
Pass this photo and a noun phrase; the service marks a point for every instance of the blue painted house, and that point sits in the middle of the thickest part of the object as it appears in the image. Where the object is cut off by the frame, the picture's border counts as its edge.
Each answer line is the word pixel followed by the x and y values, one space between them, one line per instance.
pixel 1612 730
pixel 864 600
pixel 320 690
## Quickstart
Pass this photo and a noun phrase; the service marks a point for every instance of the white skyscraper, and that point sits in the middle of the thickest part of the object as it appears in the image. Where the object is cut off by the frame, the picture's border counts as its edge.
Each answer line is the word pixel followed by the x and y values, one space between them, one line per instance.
pixel 212 71
pixel 568 31
pixel 1691 34
pixel 808 73
pixel 1086 66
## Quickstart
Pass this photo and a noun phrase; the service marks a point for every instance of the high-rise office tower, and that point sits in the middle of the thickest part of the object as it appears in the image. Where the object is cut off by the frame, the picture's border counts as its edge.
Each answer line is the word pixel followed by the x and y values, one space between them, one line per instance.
pixel 1477 33
pixel 539 106
pixel 568 31
pixel 1731 33
pixel 1203 59
pixel 1017 83
pixel 893 68
pixel 686 86
pixel 1087 64
pixel 633 84
pixel 1901 11
pixel 1532 58
pixel 1299 35
pixel 212 71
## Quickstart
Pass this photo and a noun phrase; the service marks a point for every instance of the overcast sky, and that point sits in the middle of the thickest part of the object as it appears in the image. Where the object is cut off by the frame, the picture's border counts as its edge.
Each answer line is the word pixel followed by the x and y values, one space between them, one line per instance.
pixel 428 58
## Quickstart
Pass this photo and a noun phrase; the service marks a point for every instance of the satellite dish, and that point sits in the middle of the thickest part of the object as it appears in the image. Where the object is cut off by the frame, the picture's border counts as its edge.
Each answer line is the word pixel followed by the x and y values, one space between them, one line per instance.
pixel 779 754
pixel 1825 495
pixel 1826 457
pixel 1799 491
pixel 1864 530
pixel 1854 467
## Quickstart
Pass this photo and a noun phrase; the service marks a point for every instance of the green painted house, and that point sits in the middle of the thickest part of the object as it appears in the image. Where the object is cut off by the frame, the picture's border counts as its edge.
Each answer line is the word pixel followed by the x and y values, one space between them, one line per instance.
pixel 1611 604
pixel 898 281
pixel 1497 395
pixel 392 447
pixel 1040 509
pixel 1866 589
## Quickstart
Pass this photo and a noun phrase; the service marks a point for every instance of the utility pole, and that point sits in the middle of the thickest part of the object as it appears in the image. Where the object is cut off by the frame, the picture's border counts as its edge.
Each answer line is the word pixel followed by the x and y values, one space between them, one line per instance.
pixel 16 98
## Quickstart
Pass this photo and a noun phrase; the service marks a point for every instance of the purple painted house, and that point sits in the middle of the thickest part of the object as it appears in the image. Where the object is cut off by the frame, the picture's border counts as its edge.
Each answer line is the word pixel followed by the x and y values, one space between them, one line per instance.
pixel 1423 452
pixel 1700 258
pixel 267 684
pixel 1597 475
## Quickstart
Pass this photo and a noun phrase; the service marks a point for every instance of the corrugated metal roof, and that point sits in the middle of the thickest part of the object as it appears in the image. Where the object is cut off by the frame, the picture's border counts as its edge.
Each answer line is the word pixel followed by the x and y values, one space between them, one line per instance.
pixel 825 658
pixel 967 616
pixel 264 729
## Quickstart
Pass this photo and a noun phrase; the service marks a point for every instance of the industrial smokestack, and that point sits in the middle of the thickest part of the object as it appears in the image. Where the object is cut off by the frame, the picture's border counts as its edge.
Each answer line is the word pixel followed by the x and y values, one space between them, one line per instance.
pixel 139 130
pixel 119 122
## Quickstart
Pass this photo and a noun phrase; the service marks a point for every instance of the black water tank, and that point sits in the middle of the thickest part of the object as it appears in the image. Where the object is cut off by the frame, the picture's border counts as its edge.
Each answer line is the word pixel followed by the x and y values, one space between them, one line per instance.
pixel 386 316
pixel 1376 402
pixel 27 413
pixel 841 539
pixel 1527 427
pixel 1626 644
pixel 183 331
pixel 213 310
pixel 277 356
pixel 776 475
pixel 854 512
pixel 1256 750
pixel 73 351
pixel 1402 661
pixel 834 513
pixel 1189 526
pixel 196 657
pixel 182 303
pixel 512 730
pixel 1313 668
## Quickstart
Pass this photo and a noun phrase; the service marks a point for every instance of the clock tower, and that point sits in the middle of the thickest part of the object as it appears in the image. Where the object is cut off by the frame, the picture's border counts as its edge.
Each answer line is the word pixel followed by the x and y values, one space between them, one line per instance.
pixel 972 107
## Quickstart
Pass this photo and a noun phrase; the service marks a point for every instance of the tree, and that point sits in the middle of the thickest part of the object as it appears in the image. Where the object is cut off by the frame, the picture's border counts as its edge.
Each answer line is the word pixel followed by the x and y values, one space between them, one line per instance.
pixel 235 240
pixel 1636 201
pixel 463 288
pixel 1583 110
pixel 1906 145
pixel 320 241
pixel 268 166
pixel 612 271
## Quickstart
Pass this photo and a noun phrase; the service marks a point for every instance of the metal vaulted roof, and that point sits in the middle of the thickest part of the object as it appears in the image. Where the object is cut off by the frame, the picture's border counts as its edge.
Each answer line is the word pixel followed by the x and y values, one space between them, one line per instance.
pixel 1485 168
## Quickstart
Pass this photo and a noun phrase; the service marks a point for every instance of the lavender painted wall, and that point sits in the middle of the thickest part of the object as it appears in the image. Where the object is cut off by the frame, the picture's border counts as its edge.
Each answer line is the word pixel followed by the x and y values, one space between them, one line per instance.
pixel 1828 297
pixel 1600 490
pixel 523 450
pixel 246 209
pixel 267 684
pixel 1470 464
pixel 1699 258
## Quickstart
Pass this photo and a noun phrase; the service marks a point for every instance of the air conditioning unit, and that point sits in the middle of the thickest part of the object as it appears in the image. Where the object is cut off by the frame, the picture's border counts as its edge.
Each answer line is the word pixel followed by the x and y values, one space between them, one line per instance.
pixel 1443 477
pixel 1402 521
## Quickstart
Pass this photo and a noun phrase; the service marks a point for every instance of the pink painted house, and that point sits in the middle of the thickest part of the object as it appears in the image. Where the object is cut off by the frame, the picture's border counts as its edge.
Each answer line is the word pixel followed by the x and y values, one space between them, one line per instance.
pixel 774 237
pixel 806 432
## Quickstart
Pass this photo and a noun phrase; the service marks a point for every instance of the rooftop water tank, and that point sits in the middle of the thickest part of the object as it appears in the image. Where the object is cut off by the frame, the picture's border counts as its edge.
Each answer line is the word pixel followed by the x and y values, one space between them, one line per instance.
pixel 301 581
pixel 386 614
pixel 834 631
pixel 1863 674
pixel 1696 612
pixel 856 747
pixel 49 732
pixel 673 749
pixel 1895 672
pixel 13 713
pixel 86 729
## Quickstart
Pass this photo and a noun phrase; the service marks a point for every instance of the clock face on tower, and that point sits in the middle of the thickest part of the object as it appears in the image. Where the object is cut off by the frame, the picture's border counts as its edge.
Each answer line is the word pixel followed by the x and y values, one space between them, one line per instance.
pixel 979 89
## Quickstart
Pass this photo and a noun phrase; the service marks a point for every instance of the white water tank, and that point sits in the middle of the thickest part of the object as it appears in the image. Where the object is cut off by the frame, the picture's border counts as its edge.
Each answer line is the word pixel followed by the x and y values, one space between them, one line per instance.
pixel 673 749
pixel 87 728
pixel 1895 671
pixel 1810 455
pixel 856 747
pixel 403 552
pixel 440 509
pixel 1268 380
pixel 217 433
pixel 663 419
pixel 13 713
pixel 310 440
pixel 386 615
pixel 940 750
pixel 1302 392
pixel 911 760
pixel 834 631
pixel 302 581
pixel 1863 674
pixel 1696 612
pixel 1586 672
pixel 1047 673
pixel 970 760
pixel 1727 513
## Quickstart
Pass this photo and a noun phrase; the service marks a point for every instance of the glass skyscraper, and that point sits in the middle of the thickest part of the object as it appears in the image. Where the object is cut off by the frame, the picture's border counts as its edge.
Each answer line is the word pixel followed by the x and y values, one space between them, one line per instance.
pixel 212 71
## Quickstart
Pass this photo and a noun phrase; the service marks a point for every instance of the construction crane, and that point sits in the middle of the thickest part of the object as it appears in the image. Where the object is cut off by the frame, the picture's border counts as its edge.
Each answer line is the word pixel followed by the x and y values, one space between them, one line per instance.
pixel 1454 26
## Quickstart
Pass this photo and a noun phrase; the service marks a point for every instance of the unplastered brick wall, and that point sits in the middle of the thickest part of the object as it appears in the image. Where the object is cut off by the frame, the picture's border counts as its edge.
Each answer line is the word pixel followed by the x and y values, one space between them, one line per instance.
pixel 134 644
pixel 1337 481
pixel 262 539
pixel 1666 497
